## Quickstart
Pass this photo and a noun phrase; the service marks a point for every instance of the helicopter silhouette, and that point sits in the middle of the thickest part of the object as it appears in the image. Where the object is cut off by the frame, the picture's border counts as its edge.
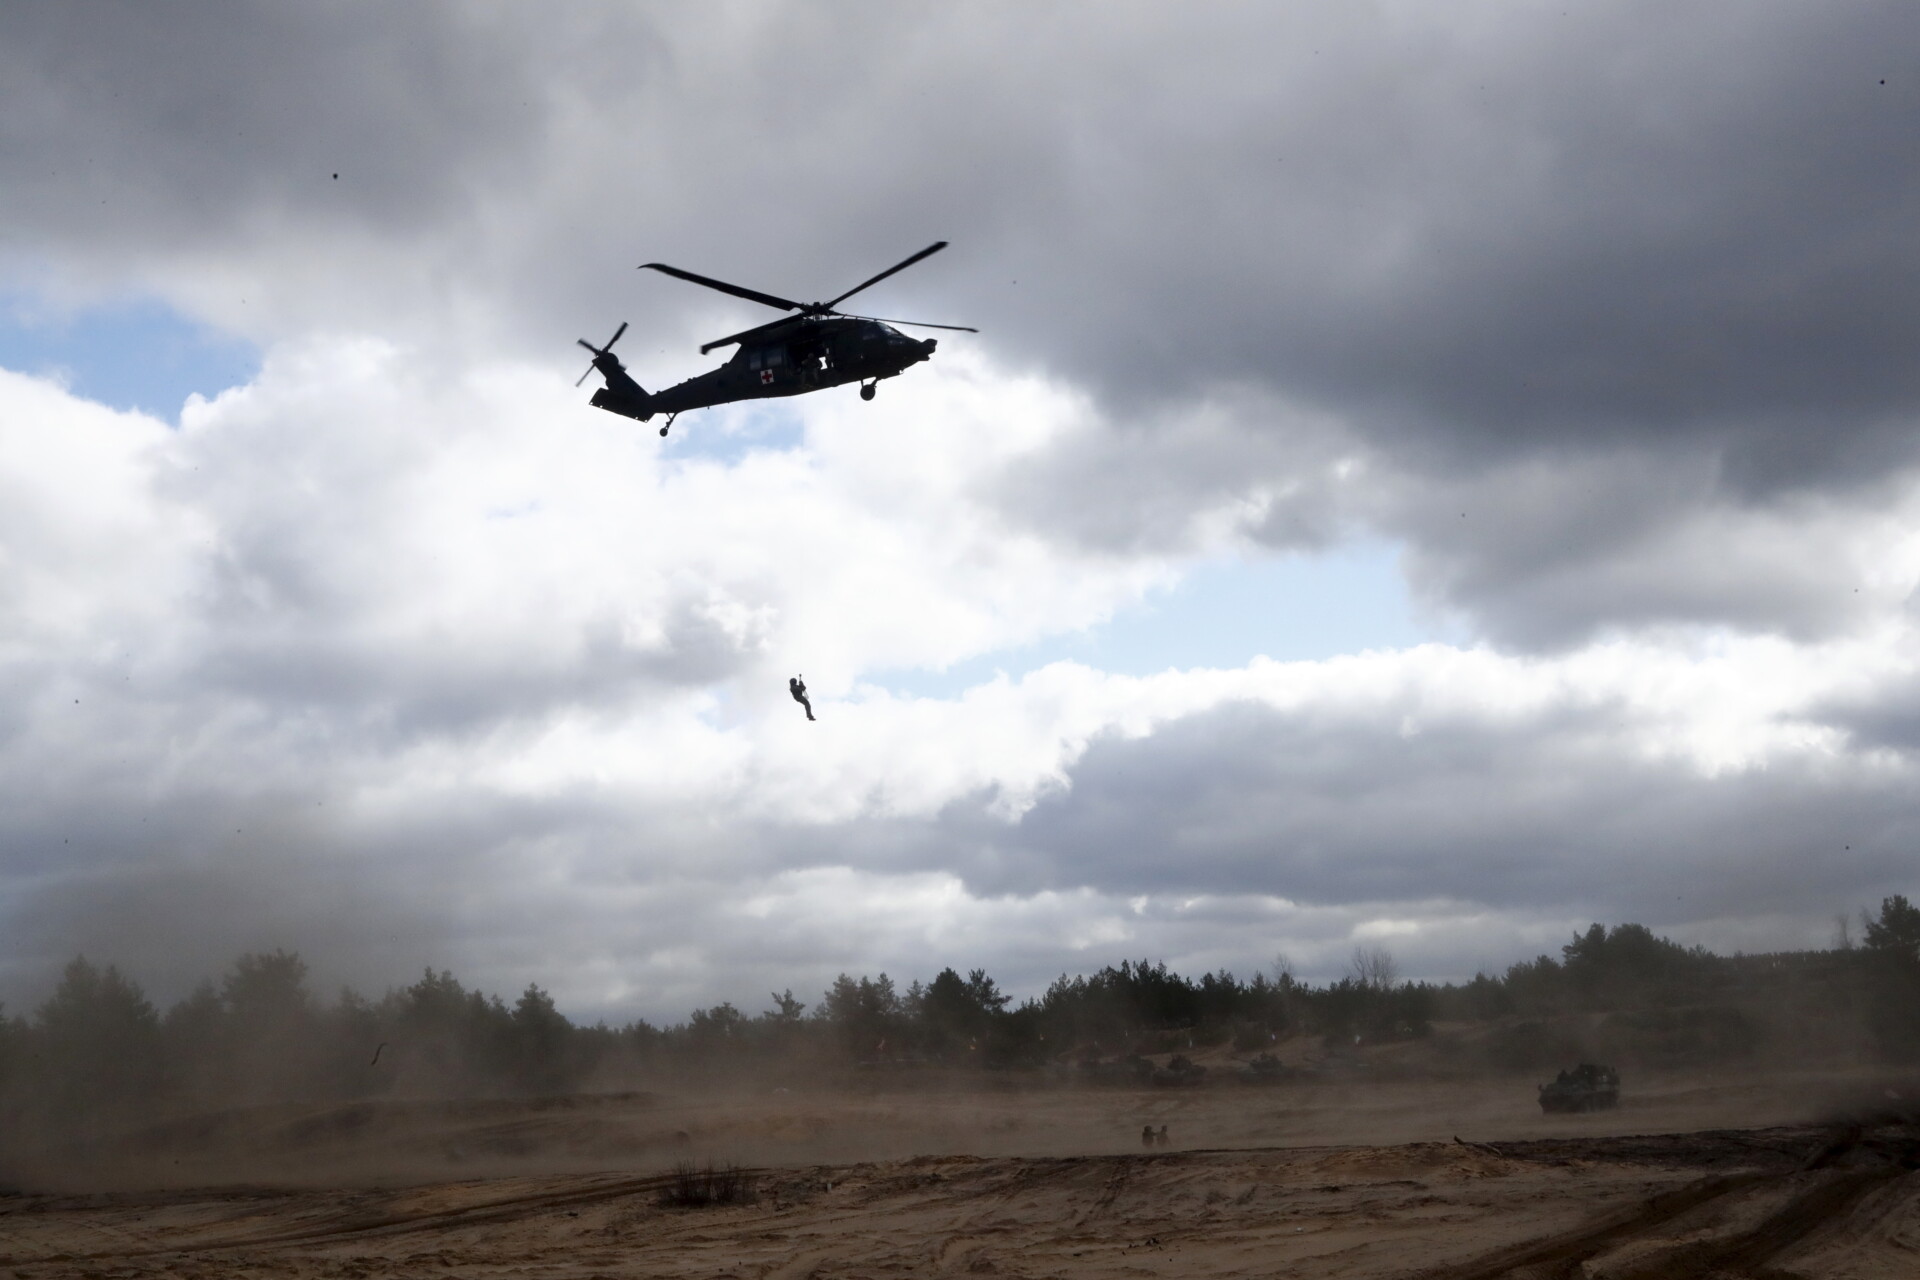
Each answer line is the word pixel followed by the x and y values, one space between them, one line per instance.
pixel 818 348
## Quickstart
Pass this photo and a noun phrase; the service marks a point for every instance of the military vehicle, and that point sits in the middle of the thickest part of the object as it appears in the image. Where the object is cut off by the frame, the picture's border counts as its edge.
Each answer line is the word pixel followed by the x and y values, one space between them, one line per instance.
pixel 1180 1071
pixel 1266 1069
pixel 1588 1087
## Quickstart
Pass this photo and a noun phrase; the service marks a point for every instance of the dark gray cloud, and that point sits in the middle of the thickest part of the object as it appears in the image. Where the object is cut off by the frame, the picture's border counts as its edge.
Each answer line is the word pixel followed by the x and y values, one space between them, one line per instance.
pixel 1149 485
pixel 1549 813
pixel 131 130
pixel 1471 235
pixel 1560 812
pixel 1550 552
pixel 1884 715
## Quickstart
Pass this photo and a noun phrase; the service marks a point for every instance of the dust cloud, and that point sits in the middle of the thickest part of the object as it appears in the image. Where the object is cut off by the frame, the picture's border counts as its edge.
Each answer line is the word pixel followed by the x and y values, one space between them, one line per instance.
pixel 1762 1102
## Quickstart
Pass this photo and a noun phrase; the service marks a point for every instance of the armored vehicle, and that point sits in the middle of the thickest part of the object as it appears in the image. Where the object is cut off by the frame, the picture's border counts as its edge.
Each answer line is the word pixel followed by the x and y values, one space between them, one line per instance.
pixel 1587 1087
pixel 1180 1071
pixel 1266 1069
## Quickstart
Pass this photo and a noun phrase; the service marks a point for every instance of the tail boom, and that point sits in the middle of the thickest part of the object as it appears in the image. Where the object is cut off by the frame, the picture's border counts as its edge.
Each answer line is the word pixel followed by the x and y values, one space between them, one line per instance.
pixel 621 395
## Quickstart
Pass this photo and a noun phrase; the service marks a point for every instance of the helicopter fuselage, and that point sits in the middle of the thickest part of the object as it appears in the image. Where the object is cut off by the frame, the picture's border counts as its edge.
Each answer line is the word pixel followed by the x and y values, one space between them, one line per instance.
pixel 809 354
pixel 819 347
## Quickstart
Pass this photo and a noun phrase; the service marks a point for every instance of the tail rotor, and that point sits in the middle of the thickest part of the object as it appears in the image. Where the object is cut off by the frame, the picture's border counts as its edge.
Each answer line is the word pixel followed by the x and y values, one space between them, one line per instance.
pixel 599 352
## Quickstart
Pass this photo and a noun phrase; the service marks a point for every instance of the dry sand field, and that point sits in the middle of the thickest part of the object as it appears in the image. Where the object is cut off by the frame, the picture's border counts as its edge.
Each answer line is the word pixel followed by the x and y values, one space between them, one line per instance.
pixel 1691 1176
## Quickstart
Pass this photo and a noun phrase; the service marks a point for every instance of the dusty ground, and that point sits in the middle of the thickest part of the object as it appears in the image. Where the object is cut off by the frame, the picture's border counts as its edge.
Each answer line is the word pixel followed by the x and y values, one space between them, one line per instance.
pixel 1733 1178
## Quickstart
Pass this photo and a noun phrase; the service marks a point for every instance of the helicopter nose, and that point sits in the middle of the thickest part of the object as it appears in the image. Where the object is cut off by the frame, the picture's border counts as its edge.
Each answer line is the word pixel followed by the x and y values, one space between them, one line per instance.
pixel 929 344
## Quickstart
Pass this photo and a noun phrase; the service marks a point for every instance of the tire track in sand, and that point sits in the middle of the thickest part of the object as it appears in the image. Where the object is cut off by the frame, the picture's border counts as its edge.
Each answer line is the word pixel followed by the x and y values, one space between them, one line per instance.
pixel 1805 1214
pixel 1562 1255
pixel 346 1227
pixel 1833 1196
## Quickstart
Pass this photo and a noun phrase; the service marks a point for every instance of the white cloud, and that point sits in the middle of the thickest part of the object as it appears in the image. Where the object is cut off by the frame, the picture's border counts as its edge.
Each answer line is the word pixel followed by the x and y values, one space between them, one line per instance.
pixel 387 623
pixel 439 625
pixel 403 654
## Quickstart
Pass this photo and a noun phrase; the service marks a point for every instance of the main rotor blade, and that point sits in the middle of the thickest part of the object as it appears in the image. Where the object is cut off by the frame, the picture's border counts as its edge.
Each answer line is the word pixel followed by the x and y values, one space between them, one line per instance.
pixel 918 324
pixel 751 295
pixel 746 334
pixel 933 248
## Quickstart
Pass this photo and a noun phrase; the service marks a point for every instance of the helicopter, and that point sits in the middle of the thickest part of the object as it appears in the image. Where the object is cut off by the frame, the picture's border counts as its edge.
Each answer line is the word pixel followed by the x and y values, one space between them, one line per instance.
pixel 818 348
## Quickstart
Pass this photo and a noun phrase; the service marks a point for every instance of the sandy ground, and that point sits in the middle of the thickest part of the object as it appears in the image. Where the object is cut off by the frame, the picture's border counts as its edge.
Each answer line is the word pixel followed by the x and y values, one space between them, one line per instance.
pixel 1690 1177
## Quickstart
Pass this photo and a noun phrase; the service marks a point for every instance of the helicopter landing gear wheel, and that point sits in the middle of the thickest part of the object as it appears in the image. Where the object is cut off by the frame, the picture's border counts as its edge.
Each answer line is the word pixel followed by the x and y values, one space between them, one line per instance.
pixel 663 433
pixel 867 389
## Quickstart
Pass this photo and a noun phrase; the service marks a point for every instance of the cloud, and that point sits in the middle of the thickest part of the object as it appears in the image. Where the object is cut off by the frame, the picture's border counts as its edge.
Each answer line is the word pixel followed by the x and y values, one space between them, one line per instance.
pixel 1602 315
pixel 1549 553
pixel 1496 230
pixel 360 630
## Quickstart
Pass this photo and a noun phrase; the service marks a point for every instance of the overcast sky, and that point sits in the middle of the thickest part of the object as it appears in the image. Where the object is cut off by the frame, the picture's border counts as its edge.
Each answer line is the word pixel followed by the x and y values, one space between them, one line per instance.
pixel 1428 476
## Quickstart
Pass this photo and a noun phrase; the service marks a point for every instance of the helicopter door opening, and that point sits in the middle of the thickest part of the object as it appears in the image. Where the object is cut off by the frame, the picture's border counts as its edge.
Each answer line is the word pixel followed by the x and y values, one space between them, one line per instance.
pixel 813 361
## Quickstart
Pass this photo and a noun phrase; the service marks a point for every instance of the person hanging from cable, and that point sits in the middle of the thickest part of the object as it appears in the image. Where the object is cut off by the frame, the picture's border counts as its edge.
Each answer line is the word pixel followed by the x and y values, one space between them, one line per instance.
pixel 798 688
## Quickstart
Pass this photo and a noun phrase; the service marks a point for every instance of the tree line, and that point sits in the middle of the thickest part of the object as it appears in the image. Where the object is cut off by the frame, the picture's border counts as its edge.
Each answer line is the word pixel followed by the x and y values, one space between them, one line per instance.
pixel 97 1052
